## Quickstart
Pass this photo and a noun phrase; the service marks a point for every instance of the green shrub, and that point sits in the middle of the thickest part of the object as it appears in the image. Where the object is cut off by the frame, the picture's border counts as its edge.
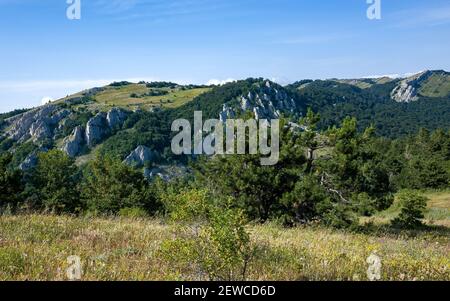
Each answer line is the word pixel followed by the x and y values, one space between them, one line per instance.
pixel 133 212
pixel 413 207
pixel 211 239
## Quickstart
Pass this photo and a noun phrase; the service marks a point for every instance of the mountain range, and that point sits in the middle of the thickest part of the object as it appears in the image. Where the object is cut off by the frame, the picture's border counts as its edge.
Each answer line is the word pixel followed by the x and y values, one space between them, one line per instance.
pixel 132 120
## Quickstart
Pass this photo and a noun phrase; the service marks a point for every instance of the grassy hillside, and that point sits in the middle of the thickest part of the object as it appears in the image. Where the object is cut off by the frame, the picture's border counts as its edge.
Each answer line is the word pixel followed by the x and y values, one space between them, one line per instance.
pixel 122 96
pixel 437 85
pixel 35 247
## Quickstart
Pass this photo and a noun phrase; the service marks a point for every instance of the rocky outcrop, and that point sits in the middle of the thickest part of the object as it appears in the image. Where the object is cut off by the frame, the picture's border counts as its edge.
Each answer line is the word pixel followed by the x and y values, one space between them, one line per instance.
pixel 116 117
pixel 31 160
pixel 165 172
pixel 152 173
pixel 140 156
pixel 96 129
pixel 266 101
pixel 93 91
pixel 73 144
pixel 227 113
pixel 102 124
pixel 38 124
pixel 408 89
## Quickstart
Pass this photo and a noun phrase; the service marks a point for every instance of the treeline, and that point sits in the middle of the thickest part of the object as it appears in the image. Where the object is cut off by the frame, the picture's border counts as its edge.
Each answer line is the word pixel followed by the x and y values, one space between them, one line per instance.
pixel 330 177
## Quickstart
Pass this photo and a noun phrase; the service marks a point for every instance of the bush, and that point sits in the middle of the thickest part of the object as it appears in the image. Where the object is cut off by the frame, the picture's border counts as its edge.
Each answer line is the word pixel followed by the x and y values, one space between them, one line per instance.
pixel 10 182
pixel 133 212
pixel 212 239
pixel 412 211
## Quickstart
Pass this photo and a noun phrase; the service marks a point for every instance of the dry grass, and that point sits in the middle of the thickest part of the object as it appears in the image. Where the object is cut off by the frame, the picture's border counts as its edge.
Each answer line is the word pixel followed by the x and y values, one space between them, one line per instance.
pixel 36 247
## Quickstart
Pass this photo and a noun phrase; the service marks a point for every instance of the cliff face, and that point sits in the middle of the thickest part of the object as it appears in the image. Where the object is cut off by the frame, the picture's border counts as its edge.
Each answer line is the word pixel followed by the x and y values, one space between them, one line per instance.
pixel 424 84
pixel 266 100
pixel 38 124
pixel 408 89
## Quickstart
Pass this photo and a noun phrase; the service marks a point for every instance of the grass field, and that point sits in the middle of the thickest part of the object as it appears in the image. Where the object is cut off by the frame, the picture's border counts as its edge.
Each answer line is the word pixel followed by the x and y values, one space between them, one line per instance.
pixel 36 247
pixel 121 96
pixel 436 86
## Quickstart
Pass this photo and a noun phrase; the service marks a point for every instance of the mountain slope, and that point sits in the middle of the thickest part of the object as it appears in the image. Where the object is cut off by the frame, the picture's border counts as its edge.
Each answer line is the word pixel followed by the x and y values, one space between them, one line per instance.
pixel 123 117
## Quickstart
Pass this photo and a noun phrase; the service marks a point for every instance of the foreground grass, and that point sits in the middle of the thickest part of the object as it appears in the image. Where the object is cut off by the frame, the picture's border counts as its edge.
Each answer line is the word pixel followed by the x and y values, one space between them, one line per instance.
pixel 36 247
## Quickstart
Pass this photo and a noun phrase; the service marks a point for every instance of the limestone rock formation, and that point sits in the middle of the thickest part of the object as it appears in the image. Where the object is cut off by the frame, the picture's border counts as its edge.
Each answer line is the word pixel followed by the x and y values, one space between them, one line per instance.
pixel 37 124
pixel 408 89
pixel 74 143
pixel 267 101
pixel 96 129
pixel 116 117
pixel 140 156
pixel 31 160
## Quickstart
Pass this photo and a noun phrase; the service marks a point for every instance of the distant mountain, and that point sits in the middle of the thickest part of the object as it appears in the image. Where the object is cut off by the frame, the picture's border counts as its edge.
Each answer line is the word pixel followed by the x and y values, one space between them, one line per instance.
pixel 424 84
pixel 133 120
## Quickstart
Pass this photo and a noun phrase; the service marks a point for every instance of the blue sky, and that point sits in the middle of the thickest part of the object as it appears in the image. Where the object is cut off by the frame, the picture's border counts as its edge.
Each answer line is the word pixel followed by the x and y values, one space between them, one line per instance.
pixel 44 54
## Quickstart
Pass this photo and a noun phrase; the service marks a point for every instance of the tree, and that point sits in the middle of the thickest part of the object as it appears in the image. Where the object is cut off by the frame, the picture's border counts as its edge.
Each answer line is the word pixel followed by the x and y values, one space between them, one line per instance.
pixel 109 185
pixel 257 189
pixel 54 180
pixel 412 211
pixel 10 182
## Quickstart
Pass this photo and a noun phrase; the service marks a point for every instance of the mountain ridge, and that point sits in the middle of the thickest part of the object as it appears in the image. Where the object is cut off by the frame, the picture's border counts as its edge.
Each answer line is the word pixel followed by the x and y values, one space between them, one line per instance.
pixel 122 116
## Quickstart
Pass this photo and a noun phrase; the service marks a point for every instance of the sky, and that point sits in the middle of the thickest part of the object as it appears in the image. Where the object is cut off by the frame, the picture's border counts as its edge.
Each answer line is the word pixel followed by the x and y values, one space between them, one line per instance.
pixel 44 54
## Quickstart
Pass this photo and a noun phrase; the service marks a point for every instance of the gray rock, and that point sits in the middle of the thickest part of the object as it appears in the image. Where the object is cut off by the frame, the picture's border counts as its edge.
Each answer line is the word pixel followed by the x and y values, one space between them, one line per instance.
pixel 268 101
pixel 40 130
pixel 140 156
pixel 74 143
pixel 37 124
pixel 96 129
pixel 245 104
pixel 408 89
pixel 227 113
pixel 165 172
pixel 116 117
pixel 31 160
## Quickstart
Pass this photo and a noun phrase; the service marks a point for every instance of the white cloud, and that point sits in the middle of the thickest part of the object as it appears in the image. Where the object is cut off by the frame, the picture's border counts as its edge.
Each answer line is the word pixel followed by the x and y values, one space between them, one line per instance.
pixel 45 100
pixel 218 82
pixel 394 76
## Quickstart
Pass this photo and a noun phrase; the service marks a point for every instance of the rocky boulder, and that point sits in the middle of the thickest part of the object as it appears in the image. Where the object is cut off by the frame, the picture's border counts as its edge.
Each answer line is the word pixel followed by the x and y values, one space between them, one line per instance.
pixel 96 129
pixel 31 160
pixel 165 172
pixel 37 124
pixel 74 143
pixel 140 156
pixel 116 117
